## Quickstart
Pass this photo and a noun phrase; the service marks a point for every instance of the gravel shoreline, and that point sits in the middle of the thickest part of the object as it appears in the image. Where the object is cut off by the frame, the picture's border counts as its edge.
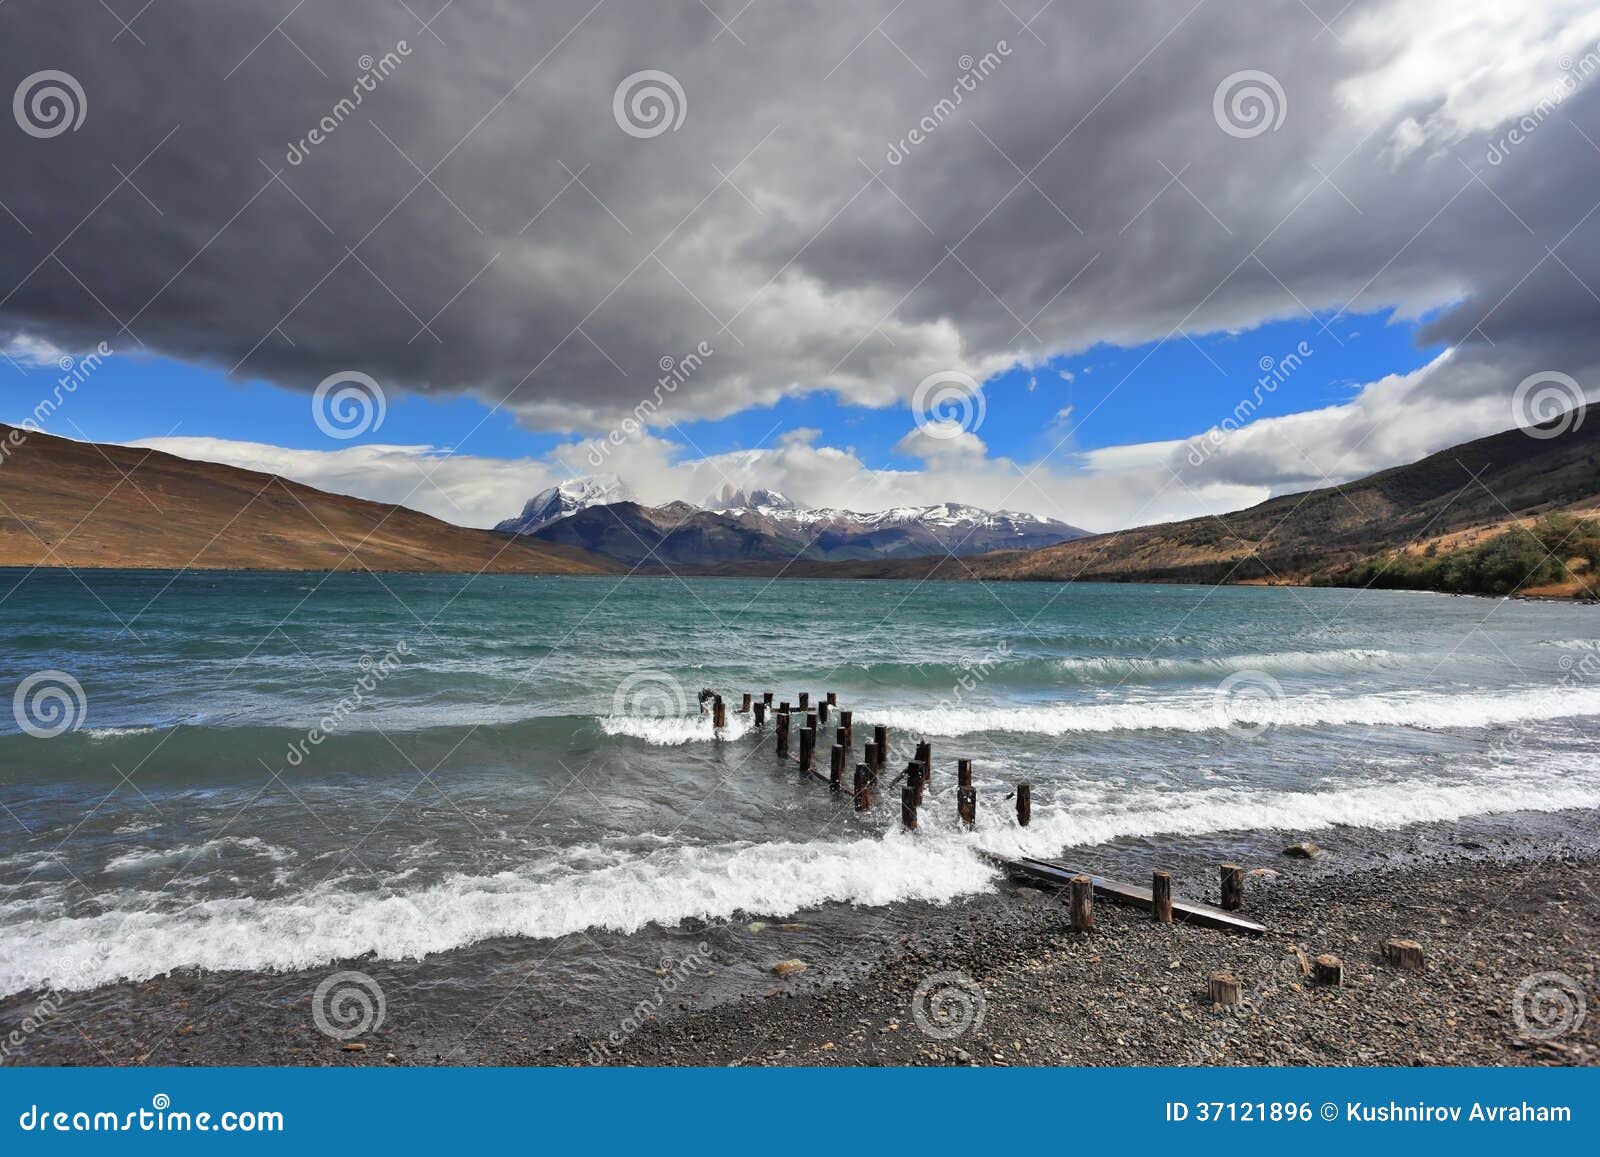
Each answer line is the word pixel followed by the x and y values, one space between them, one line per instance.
pixel 1132 992
pixel 1493 914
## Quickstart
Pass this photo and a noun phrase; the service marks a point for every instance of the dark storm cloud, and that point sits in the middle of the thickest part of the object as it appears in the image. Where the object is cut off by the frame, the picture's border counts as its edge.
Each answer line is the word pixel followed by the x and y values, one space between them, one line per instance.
pixel 552 258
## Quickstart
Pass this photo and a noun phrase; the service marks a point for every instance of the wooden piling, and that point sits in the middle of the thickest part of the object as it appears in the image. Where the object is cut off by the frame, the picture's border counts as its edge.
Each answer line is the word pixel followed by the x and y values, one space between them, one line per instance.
pixel 811 720
pixel 863 787
pixel 967 805
pixel 745 706
pixel 761 714
pixel 925 757
pixel 917 777
pixel 833 699
pixel 822 711
pixel 1161 897
pixel 805 700
pixel 719 713
pixel 836 768
pixel 766 698
pixel 963 773
pixel 1232 887
pixel 808 747
pixel 1081 900
pixel 783 734
pixel 880 739
pixel 1405 954
pixel 1222 988
pixel 841 736
pixel 845 721
pixel 1024 804
pixel 1328 969
pixel 870 755
pixel 908 807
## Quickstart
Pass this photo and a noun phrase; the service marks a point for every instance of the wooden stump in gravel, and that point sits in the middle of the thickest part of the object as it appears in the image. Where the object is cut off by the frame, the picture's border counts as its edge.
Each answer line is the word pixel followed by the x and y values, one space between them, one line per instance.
pixel 1405 954
pixel 1081 900
pixel 1024 804
pixel 1327 969
pixel 1222 988
pixel 1232 887
pixel 1161 897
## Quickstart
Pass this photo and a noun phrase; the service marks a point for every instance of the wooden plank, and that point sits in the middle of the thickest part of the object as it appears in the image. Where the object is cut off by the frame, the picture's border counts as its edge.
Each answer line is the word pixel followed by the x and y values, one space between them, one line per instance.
pixel 1049 872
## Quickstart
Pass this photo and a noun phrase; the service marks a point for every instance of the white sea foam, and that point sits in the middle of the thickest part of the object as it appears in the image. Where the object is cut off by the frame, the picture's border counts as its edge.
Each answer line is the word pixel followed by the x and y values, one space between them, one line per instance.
pixel 139 859
pixel 556 897
pixel 673 730
pixel 1131 667
pixel 1204 712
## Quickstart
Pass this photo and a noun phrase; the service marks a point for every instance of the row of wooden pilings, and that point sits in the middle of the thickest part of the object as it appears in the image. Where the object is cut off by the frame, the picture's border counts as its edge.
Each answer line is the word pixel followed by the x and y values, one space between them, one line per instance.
pixel 918 773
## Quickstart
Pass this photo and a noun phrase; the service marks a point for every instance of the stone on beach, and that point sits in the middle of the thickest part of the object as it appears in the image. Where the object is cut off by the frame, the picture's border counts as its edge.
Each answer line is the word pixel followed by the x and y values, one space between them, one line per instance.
pixel 789 967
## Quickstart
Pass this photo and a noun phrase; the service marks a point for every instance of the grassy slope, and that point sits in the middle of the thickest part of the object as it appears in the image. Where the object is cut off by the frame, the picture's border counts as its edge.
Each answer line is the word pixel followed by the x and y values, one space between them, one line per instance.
pixel 65 503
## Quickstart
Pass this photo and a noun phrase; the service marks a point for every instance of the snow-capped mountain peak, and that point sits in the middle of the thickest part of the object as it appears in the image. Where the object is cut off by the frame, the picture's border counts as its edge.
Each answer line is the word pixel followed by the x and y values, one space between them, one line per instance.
pixel 567 498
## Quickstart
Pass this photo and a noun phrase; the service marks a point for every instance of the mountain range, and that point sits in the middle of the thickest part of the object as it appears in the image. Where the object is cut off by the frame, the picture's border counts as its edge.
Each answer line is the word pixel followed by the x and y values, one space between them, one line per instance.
pixel 600 514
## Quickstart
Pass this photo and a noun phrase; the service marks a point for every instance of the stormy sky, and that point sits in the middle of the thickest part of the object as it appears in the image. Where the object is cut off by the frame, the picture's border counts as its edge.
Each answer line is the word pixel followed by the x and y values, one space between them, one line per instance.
pixel 514 213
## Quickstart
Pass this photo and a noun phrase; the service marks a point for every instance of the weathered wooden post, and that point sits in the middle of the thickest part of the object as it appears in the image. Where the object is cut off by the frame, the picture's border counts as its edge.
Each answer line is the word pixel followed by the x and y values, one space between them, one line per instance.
pixel 833 699
pixel 841 736
pixel 908 807
pixel 761 714
pixel 783 707
pixel 863 787
pixel 1161 897
pixel 1024 804
pixel 925 757
pixel 1328 969
pixel 917 777
pixel 766 698
pixel 963 773
pixel 805 700
pixel 967 805
pixel 822 711
pixel 845 718
pixel 811 720
pixel 808 747
pixel 1232 887
pixel 870 755
pixel 744 707
pixel 783 734
pixel 836 768
pixel 719 713
pixel 1222 988
pixel 880 739
pixel 1082 903
pixel 1405 954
